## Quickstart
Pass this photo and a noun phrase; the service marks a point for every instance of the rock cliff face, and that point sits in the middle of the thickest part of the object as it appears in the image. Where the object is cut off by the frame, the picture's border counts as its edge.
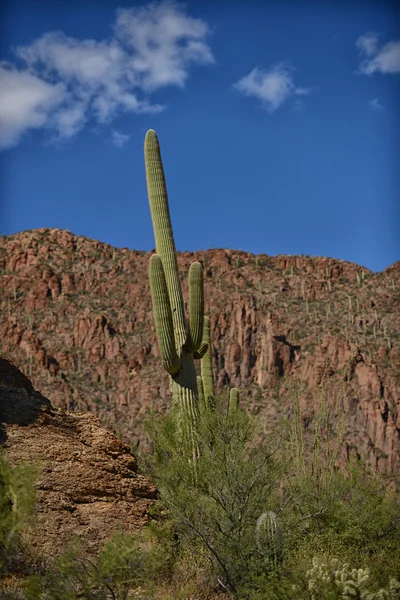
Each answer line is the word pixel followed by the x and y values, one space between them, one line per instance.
pixel 88 486
pixel 76 316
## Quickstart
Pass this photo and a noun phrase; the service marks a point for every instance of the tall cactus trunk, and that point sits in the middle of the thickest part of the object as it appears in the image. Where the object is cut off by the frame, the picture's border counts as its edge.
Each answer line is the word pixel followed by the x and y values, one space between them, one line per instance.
pixel 180 340
pixel 185 395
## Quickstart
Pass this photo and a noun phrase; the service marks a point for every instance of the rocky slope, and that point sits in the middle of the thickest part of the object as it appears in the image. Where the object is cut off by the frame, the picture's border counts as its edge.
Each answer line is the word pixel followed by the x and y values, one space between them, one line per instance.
pixel 75 314
pixel 88 486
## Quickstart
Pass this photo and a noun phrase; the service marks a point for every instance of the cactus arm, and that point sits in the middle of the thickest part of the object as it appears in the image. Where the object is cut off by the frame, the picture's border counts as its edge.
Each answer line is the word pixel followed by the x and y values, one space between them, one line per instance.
pixel 165 245
pixel 163 316
pixel 201 351
pixel 206 362
pixel 233 400
pixel 200 391
pixel 196 306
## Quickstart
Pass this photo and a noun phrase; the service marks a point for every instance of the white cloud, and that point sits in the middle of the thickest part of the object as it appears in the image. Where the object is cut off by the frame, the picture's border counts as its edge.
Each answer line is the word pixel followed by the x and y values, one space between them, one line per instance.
pixel 87 61
pixel 70 119
pixel 66 82
pixel 384 60
pixel 119 139
pixel 271 87
pixel 165 42
pixel 25 102
pixel 375 104
pixel 368 43
pixel 299 91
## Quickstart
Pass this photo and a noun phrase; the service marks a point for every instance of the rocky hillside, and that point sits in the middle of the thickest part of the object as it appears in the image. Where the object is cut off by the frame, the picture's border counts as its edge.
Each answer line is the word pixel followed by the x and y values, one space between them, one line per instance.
pixel 88 483
pixel 75 315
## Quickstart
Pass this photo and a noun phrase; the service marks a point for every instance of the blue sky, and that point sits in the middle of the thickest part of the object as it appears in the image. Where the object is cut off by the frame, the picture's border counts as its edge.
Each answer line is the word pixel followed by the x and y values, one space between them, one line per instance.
pixel 279 123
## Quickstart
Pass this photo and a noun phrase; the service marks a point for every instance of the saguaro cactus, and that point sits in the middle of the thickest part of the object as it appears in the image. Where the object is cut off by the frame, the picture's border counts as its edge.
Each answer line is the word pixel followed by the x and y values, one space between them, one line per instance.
pixel 180 340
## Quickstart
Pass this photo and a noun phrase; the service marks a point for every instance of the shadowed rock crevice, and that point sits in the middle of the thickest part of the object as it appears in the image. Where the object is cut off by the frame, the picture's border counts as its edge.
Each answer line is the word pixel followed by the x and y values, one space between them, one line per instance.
pixel 20 403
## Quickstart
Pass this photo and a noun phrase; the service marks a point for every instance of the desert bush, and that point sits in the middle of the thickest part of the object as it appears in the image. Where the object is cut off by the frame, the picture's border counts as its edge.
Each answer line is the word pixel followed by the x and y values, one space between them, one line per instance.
pixel 216 506
pixel 129 563
pixel 342 512
pixel 256 518
pixel 17 499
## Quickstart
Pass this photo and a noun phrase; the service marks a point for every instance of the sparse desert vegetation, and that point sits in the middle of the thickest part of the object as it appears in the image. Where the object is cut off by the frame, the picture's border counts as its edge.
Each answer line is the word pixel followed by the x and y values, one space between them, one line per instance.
pixel 241 508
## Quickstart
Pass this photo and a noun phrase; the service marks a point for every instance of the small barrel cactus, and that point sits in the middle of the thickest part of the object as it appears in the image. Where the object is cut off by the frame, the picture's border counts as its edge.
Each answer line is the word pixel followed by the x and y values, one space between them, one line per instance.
pixel 269 537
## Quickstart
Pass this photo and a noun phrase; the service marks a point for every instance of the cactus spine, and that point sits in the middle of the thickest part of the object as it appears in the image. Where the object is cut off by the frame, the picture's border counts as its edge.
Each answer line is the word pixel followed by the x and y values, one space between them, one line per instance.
pixel 180 341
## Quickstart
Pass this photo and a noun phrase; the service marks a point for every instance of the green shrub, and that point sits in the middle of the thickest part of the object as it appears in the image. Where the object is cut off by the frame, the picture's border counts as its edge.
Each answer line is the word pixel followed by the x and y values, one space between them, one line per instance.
pixel 216 508
pixel 260 517
pixel 339 512
pixel 128 562
pixel 17 499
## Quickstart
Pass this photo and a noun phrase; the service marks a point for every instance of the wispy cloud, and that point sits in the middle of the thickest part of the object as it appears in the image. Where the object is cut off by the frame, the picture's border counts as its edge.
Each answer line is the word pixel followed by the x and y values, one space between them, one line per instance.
pixel 119 139
pixel 368 43
pixel 375 104
pixel 66 82
pixel 26 101
pixel 164 43
pixel 271 87
pixel 298 105
pixel 385 59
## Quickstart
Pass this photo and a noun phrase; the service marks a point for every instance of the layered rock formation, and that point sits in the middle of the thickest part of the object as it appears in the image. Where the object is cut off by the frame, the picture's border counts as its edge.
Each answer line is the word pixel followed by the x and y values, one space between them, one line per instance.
pixel 88 486
pixel 76 316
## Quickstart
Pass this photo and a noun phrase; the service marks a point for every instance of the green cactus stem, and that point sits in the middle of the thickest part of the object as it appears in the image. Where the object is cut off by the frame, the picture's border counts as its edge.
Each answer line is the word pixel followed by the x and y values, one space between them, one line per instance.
pixel 200 389
pixel 206 365
pixel 163 316
pixel 196 306
pixel 233 400
pixel 179 339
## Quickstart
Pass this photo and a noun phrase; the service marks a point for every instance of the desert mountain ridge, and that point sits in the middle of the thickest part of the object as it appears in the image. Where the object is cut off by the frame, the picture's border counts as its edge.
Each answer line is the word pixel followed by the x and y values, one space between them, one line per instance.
pixel 76 317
